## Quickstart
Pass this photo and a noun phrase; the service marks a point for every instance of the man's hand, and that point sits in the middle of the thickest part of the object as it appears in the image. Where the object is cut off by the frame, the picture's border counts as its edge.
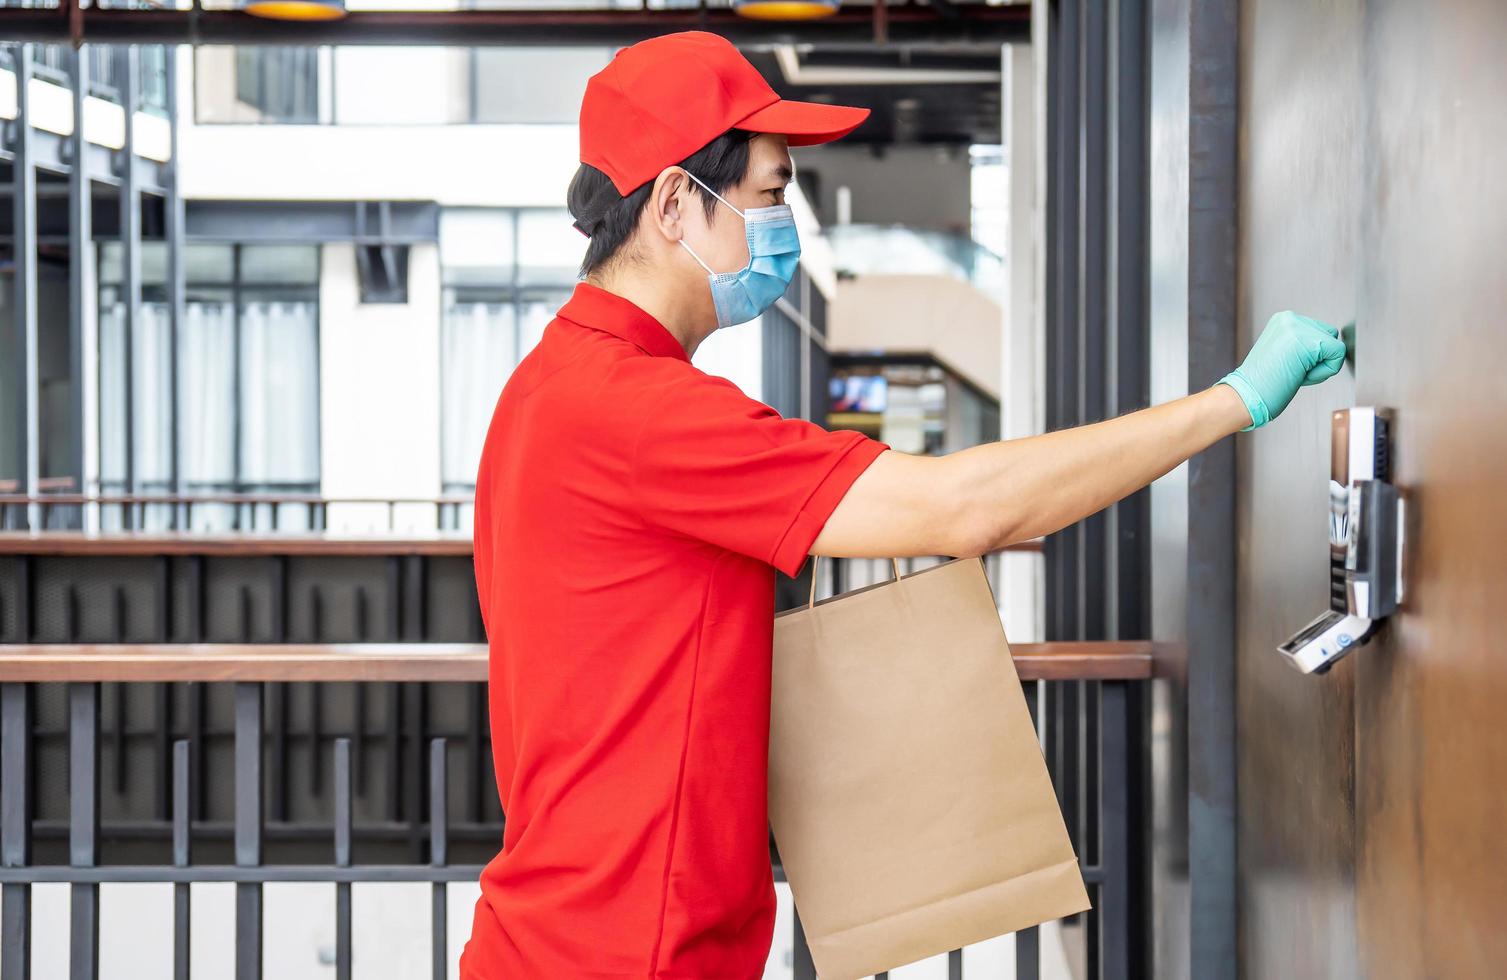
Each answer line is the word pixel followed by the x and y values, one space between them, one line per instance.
pixel 1291 352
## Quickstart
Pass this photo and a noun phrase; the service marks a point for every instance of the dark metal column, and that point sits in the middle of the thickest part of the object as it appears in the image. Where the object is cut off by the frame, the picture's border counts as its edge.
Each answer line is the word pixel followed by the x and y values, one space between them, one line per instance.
pixel 439 838
pixel 1110 957
pixel 1213 145
pixel 173 231
pixel 26 414
pixel 1094 404
pixel 130 253
pixel 15 826
pixel 182 858
pixel 1130 384
pixel 1062 550
pixel 1129 363
pixel 80 255
pixel 1098 368
pixel 343 823
pixel 83 827
pixel 1093 285
pixel 248 828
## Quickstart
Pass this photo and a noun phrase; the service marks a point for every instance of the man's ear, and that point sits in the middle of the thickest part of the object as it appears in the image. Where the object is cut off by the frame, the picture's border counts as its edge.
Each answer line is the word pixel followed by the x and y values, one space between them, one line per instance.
pixel 668 202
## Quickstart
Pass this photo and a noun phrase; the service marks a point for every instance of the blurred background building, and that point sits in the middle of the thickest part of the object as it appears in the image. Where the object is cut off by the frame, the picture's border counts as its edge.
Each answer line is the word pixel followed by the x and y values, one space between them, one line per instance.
pixel 304 273
pixel 262 280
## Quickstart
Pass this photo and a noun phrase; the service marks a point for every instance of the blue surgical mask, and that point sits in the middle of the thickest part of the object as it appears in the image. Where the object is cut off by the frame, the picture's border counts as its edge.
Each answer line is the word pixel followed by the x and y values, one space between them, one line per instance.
pixel 774 249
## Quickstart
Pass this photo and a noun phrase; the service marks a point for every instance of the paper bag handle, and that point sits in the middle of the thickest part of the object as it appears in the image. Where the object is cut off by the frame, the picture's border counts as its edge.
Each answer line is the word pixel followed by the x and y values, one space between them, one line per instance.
pixel 817 560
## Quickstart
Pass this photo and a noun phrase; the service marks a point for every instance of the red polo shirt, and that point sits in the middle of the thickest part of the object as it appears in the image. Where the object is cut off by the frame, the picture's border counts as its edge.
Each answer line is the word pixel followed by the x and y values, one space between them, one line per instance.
pixel 630 513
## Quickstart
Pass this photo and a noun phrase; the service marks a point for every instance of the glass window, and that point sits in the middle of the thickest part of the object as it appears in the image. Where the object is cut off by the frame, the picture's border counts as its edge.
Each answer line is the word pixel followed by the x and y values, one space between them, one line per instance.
pixel 281 84
pixel 152 64
pixel 506 272
pixel 201 263
pixel 247 379
pixel 531 85
pixel 256 84
pixel 209 263
pixel 285 264
pixel 386 85
pixel 152 255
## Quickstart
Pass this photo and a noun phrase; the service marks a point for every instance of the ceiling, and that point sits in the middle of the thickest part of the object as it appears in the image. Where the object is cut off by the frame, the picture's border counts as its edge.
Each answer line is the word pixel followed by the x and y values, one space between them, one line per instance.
pixel 948 96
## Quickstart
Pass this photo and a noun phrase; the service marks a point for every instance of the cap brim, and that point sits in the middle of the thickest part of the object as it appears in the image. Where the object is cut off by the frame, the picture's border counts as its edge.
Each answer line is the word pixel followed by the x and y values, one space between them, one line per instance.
pixel 804 123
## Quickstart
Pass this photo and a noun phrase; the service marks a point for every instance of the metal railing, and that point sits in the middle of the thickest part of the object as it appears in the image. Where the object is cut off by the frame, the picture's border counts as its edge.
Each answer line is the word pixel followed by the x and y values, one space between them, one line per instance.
pixel 861 249
pixel 358 638
pixel 226 512
pixel 252 672
pixel 107 67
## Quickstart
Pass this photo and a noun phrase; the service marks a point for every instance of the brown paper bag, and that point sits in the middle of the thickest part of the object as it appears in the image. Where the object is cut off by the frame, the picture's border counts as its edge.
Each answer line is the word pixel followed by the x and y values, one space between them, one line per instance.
pixel 908 794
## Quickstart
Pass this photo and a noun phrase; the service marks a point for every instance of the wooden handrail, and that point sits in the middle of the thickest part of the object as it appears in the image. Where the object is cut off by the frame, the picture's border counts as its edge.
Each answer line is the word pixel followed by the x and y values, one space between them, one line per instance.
pixel 73 498
pixel 255 543
pixel 54 662
pixel 453 543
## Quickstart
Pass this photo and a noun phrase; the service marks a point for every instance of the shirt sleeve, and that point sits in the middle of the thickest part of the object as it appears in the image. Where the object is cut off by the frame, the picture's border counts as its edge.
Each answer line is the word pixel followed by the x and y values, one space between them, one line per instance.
pixel 716 465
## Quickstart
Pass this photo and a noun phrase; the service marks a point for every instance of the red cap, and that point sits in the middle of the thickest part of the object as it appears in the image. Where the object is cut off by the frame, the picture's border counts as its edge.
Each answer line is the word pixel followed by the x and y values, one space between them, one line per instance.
pixel 659 101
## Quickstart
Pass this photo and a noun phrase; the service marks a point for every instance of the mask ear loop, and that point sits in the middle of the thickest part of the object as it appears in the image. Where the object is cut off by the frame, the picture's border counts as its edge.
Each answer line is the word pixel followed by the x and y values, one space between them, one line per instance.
pixel 697 258
pixel 816 560
pixel 716 195
pixel 682 241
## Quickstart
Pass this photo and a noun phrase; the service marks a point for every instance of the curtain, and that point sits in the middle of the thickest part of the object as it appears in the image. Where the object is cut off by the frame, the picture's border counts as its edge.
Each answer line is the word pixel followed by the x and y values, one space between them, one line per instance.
pixel 275 403
pixel 536 316
pixel 279 393
pixel 478 354
pixel 112 400
pixel 206 371
pixel 151 409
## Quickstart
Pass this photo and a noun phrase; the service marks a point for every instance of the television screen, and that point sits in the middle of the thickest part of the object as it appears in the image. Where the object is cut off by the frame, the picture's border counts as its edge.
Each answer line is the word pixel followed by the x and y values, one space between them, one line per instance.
pixel 859 393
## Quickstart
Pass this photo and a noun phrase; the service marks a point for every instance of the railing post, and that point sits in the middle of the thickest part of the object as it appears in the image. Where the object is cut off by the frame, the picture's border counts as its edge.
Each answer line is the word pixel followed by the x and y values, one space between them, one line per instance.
pixel 1028 954
pixel 1114 853
pixel 342 858
pixel 438 850
pixel 83 828
pixel 182 857
pixel 15 829
pixel 248 828
pixel 804 968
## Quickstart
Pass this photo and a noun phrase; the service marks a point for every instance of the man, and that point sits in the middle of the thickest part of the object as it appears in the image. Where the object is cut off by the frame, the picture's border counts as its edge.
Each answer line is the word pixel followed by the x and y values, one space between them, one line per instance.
pixel 631 511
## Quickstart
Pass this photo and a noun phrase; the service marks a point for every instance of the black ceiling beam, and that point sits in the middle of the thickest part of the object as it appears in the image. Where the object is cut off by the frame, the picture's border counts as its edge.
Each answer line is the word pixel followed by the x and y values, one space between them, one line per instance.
pixel 851 26
pixel 945 8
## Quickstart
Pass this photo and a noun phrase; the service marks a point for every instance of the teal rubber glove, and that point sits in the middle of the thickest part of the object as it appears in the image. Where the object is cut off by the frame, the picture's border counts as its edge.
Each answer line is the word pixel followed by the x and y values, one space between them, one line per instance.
pixel 1292 351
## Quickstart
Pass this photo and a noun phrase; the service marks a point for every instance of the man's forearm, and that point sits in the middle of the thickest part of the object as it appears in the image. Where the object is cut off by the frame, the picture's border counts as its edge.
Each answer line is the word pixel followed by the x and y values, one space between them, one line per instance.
pixel 1023 488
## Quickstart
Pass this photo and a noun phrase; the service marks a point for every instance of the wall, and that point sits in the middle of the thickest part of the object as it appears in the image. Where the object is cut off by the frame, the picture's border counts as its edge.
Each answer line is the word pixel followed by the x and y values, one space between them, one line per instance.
pixel 942 315
pixel 1168 112
pixel 916 186
pixel 379 377
pixel 1370 802
pixel 1022 345
pixel 415 158
pixel 1300 209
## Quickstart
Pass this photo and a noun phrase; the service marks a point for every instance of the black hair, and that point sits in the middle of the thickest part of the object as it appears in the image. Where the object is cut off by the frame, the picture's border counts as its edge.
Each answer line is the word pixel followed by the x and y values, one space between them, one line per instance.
pixel 610 219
